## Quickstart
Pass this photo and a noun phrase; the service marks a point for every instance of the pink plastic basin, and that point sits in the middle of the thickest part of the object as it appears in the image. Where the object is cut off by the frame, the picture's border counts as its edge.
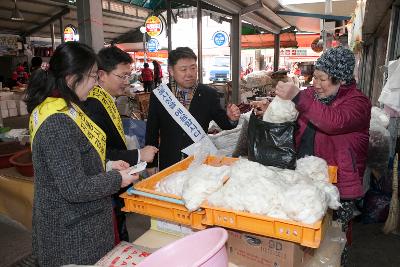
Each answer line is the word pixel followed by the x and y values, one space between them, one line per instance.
pixel 204 248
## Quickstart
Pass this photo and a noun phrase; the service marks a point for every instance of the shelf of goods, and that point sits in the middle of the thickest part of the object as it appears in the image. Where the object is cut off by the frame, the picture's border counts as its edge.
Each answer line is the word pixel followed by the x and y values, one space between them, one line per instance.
pixel 145 200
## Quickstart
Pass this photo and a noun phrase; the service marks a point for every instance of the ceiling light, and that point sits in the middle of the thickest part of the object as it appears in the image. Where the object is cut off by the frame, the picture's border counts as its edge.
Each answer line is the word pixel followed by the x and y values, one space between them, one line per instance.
pixel 16 14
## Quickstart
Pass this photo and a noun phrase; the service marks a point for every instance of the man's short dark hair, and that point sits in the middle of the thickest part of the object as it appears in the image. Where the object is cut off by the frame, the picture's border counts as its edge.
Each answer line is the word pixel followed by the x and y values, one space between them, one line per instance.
pixel 179 53
pixel 110 57
pixel 36 62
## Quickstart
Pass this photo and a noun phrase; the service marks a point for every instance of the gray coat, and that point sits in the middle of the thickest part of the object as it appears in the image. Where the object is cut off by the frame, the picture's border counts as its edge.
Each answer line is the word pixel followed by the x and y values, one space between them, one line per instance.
pixel 72 209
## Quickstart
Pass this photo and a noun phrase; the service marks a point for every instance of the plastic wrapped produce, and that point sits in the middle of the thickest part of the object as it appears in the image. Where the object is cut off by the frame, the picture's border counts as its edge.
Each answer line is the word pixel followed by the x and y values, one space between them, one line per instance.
pixel 379 141
pixel 226 141
pixel 257 79
pixel 280 111
pixel 313 167
pixel 305 203
pixel 275 192
pixel 379 117
pixel 172 184
pixel 332 193
pixel 262 195
pixel 201 182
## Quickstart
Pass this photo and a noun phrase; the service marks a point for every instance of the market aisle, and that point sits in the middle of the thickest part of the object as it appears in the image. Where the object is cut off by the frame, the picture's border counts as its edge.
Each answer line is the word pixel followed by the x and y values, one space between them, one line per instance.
pixel 15 241
pixel 371 248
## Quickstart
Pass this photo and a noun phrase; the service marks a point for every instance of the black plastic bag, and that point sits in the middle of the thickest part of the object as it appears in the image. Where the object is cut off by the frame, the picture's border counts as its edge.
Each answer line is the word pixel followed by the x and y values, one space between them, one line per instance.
pixel 272 144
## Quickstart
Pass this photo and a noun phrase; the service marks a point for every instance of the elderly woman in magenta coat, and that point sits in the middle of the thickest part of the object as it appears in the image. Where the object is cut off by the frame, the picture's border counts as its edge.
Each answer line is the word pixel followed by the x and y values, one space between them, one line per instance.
pixel 334 125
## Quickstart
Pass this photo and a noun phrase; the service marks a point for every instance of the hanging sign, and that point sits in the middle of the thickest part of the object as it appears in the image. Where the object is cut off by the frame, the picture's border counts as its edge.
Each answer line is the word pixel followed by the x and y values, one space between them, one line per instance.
pixel 317 45
pixel 220 38
pixel 153 45
pixel 153 26
pixel 70 33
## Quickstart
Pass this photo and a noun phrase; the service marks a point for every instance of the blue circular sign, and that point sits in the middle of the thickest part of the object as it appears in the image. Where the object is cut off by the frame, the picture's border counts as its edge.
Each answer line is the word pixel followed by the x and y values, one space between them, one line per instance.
pixel 220 38
pixel 152 45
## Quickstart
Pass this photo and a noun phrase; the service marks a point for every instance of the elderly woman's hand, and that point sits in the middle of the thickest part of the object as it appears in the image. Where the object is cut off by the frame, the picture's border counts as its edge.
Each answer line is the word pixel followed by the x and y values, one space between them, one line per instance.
pixel 286 91
pixel 260 106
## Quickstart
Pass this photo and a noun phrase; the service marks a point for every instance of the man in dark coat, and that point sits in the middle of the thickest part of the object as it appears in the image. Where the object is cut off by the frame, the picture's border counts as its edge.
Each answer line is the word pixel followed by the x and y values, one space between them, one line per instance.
pixel 113 77
pixel 202 102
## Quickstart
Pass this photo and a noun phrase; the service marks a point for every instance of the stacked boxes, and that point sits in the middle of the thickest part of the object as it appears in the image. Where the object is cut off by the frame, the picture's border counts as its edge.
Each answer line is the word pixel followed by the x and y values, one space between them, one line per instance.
pixel 12 108
pixel 22 109
pixel 11 105
pixel 4 108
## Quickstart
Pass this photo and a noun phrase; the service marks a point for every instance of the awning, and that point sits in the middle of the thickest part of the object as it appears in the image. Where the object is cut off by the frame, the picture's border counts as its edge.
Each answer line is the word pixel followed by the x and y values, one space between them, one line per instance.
pixel 305 40
pixel 267 40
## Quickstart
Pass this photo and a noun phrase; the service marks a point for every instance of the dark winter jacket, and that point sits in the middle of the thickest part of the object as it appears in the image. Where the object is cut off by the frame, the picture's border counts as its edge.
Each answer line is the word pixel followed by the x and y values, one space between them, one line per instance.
pixel 116 148
pixel 163 132
pixel 342 133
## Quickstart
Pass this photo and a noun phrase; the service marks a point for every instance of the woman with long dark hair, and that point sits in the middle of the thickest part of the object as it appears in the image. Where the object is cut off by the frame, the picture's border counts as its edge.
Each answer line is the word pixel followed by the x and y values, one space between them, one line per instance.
pixel 72 209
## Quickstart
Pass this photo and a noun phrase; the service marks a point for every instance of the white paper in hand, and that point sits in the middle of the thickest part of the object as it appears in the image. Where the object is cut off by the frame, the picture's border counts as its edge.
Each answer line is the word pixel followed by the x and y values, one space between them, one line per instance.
pixel 141 166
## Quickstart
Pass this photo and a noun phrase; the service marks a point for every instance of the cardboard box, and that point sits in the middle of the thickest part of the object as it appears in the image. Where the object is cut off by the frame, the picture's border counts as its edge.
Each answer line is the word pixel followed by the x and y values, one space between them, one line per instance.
pixel 257 251
pixel 3 104
pixel 12 112
pixel 22 109
pixel 11 104
pixel 4 113
pixel 6 95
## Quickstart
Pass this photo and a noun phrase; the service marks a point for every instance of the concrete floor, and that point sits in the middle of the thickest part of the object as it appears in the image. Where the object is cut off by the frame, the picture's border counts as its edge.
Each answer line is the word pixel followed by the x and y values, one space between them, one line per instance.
pixel 372 248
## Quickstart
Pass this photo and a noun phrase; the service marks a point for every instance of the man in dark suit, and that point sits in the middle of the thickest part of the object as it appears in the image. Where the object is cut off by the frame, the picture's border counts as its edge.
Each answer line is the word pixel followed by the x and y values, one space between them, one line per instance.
pixel 201 100
pixel 113 78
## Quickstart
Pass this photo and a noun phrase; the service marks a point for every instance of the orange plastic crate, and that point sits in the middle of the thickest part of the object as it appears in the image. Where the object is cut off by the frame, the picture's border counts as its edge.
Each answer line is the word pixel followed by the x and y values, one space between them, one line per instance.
pixel 149 185
pixel 163 210
pixel 332 171
pixel 304 234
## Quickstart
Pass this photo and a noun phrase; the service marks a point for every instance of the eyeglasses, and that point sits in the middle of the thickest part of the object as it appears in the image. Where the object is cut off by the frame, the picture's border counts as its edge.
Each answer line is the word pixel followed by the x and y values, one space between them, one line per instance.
pixel 123 77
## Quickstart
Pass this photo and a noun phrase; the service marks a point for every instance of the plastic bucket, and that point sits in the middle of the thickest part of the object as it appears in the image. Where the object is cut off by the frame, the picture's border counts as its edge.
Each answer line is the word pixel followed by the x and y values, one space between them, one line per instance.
pixel 204 248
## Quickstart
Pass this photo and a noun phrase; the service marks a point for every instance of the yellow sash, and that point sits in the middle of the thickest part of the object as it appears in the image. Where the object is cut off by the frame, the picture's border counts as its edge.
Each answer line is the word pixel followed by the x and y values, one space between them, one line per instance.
pixel 108 103
pixel 52 105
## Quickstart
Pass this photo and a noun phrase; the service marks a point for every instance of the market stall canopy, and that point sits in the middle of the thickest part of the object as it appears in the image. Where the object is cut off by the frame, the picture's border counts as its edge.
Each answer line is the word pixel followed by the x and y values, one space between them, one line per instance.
pixel 267 40
pixel 375 11
pixel 118 17
pixel 260 13
pixel 306 15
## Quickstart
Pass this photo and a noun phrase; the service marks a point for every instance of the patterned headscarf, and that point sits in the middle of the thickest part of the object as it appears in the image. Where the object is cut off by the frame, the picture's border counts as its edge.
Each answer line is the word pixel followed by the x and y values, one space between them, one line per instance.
pixel 337 62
